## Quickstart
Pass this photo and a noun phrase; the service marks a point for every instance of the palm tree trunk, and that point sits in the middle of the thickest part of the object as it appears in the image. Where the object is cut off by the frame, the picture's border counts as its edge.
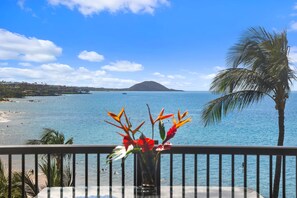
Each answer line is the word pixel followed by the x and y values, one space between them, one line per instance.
pixel 278 164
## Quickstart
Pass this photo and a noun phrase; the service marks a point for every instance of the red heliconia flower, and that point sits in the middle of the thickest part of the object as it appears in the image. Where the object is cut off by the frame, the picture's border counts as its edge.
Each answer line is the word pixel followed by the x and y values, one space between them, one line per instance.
pixel 163 147
pixel 146 144
pixel 127 141
pixel 170 133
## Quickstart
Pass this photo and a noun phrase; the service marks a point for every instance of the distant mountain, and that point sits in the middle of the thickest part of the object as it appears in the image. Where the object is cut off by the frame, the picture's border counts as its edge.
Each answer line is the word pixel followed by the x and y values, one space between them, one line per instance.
pixel 149 86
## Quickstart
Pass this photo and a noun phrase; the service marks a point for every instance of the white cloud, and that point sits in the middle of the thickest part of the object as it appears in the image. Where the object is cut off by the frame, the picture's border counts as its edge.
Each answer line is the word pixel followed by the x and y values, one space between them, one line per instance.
pixel 21 4
pixel 62 74
pixel 293 26
pixel 90 56
pixel 159 74
pixel 109 82
pixel 207 76
pixel 18 47
pixel 56 67
pixel 177 76
pixel 295 6
pixel 25 64
pixel 89 7
pixel 218 68
pixel 170 76
pixel 123 66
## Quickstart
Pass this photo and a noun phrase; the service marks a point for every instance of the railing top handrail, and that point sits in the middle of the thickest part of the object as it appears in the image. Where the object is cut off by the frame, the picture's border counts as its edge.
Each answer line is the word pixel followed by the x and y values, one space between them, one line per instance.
pixel 177 149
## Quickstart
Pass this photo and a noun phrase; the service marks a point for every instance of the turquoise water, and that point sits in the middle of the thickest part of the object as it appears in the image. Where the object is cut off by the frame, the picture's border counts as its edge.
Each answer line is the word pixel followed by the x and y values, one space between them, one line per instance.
pixel 82 117
pixel 77 115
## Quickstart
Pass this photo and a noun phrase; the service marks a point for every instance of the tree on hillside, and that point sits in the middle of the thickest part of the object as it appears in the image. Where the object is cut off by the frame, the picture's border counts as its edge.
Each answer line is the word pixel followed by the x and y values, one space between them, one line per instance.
pixel 258 67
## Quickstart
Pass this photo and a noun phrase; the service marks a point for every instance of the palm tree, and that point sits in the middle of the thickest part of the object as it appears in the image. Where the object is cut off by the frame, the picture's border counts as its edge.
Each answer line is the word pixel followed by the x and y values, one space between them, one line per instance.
pixel 51 136
pixel 259 67
pixel 30 189
pixel 55 176
pixel 16 190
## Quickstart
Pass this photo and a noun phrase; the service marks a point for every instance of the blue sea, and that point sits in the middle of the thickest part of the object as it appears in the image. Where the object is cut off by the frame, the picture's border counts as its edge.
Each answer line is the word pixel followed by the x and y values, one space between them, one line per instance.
pixel 82 117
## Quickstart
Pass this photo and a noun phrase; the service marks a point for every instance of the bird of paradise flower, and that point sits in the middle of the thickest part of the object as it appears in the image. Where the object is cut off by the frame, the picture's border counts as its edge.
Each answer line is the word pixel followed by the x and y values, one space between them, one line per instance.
pixel 143 144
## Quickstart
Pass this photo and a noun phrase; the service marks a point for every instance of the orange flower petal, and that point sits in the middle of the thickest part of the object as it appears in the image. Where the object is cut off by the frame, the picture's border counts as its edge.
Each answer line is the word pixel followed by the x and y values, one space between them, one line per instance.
pixel 121 113
pixel 166 116
pixel 160 115
pixel 184 115
pixel 137 128
pixel 113 124
pixel 178 115
pixel 183 122
pixel 114 116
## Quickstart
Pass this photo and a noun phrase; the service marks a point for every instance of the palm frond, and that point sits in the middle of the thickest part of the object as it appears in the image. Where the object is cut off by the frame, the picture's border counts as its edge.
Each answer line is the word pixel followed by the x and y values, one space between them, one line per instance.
pixel 236 79
pixel 215 109
pixel 29 183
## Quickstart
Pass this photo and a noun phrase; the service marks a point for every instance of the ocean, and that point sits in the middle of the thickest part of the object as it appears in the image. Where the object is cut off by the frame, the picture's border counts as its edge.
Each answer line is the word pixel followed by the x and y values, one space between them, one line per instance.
pixel 77 115
pixel 82 117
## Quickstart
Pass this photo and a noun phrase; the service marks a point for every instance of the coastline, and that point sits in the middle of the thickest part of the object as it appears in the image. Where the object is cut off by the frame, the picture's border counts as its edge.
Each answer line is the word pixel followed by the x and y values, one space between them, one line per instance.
pixel 4 116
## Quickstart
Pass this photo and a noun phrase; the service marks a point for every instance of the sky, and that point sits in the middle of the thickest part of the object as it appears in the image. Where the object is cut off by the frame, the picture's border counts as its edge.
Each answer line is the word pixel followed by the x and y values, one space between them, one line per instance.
pixel 117 43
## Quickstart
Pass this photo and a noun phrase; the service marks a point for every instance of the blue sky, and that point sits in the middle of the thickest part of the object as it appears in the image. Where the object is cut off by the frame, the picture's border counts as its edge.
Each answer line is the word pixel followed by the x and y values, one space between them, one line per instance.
pixel 117 43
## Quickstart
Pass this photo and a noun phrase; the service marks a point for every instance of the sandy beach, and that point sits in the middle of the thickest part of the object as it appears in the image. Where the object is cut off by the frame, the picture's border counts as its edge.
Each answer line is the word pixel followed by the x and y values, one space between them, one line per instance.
pixel 4 116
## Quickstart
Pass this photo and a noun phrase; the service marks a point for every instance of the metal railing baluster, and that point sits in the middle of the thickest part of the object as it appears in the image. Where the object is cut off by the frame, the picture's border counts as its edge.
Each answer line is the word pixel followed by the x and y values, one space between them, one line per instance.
pixel 258 174
pixel 123 172
pixel 98 170
pixel 171 170
pixel 61 170
pixel 36 172
pixel 49 170
pixel 195 170
pixel 245 175
pixel 23 175
pixel 110 174
pixel 74 169
pixel 9 175
pixel 183 170
pixel 270 175
pixel 233 174
pixel 284 176
pixel 220 175
pixel 86 169
pixel 207 173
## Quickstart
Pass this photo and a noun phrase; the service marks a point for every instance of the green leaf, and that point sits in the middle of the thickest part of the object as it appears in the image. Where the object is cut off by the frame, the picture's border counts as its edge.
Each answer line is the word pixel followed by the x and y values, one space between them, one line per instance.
pixel 162 130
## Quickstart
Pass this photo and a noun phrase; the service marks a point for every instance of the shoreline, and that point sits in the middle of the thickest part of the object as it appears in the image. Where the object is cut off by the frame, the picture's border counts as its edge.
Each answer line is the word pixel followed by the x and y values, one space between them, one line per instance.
pixel 4 116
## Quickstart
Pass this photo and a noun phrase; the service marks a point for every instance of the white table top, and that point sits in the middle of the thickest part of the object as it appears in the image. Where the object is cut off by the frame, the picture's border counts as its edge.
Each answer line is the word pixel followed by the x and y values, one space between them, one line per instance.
pixel 129 192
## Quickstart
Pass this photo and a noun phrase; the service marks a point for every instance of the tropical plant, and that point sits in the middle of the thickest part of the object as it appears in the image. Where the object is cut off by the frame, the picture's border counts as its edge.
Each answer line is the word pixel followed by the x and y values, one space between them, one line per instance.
pixel 259 67
pixel 51 136
pixel 16 190
pixel 55 174
pixel 30 189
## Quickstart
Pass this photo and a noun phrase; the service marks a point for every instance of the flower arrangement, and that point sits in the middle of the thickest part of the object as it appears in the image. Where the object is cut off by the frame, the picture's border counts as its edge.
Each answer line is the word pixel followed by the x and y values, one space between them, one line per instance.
pixel 143 144
pixel 144 147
